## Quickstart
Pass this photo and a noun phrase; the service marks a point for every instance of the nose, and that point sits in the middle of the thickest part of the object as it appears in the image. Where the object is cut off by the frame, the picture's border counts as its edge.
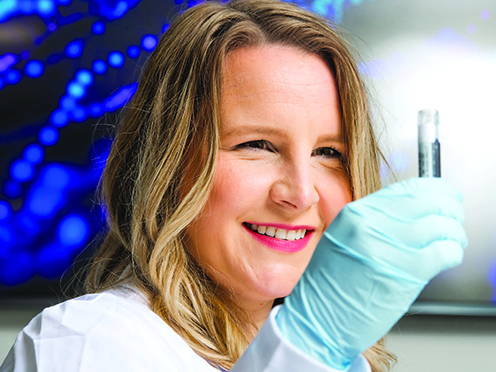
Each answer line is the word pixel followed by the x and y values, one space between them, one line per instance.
pixel 295 188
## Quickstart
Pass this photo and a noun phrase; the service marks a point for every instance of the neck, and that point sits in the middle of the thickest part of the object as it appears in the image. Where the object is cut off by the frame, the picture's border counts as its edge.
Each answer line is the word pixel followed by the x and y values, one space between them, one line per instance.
pixel 259 312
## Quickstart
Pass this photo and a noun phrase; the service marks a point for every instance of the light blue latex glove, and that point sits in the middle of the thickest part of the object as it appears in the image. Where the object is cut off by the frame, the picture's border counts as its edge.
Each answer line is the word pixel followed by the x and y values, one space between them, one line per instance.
pixel 370 265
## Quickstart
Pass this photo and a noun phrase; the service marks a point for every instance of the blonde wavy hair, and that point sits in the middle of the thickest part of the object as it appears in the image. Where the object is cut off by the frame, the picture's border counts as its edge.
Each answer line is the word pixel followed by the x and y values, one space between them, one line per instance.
pixel 169 138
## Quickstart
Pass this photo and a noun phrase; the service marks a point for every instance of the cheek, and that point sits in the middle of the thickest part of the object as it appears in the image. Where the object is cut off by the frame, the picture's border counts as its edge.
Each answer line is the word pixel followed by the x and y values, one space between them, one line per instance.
pixel 335 195
pixel 238 187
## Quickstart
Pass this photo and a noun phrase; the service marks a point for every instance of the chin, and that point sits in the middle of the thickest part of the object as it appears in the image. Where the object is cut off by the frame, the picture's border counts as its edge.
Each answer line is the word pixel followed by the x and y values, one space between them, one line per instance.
pixel 277 286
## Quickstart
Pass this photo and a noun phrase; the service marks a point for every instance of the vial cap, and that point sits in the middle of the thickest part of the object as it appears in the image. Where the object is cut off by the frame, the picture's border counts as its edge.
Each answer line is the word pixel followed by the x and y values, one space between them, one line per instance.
pixel 428 116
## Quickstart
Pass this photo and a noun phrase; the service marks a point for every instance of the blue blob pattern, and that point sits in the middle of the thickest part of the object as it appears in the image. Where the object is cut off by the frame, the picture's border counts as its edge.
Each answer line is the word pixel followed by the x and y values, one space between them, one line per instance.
pixel 116 59
pixel 99 66
pixel 74 49
pixel 48 190
pixel 22 170
pixel 34 68
pixel 73 231
pixel 98 28
pixel 5 210
pixel 33 154
pixel 149 42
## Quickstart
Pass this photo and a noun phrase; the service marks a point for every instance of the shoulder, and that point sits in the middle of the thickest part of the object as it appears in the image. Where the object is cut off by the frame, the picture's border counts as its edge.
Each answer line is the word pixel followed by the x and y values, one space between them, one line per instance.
pixel 104 314
pixel 109 330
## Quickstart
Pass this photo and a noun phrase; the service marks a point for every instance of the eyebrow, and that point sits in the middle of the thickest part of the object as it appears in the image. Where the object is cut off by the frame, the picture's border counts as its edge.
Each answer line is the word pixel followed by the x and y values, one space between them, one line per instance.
pixel 331 138
pixel 251 129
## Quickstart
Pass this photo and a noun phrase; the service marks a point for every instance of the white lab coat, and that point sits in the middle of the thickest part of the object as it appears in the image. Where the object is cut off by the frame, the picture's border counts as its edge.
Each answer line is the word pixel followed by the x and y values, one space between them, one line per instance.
pixel 116 331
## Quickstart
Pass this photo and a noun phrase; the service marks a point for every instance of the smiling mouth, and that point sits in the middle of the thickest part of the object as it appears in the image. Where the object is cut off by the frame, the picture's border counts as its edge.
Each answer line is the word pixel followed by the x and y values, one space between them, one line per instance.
pixel 278 233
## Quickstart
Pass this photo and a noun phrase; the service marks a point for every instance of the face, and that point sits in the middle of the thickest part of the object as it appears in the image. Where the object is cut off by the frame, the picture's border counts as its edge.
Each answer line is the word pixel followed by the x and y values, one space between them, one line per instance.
pixel 279 180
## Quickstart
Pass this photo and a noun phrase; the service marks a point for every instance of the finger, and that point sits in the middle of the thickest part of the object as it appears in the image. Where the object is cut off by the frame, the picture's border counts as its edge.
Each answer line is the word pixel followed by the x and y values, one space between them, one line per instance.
pixel 425 185
pixel 421 232
pixel 427 263
pixel 440 255
pixel 440 228
pixel 411 207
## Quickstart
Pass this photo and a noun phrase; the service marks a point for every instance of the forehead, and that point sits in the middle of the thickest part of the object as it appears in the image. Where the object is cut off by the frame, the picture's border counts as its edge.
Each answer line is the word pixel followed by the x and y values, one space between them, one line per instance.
pixel 273 85
pixel 271 63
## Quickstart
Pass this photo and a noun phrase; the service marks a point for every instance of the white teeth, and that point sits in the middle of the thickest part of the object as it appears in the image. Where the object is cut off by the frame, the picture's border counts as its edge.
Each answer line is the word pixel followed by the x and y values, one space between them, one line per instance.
pixel 270 231
pixel 300 234
pixel 278 233
pixel 281 234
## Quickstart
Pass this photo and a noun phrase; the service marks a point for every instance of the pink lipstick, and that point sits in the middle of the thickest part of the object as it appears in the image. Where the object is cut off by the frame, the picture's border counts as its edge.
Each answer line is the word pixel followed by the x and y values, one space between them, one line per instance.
pixel 281 245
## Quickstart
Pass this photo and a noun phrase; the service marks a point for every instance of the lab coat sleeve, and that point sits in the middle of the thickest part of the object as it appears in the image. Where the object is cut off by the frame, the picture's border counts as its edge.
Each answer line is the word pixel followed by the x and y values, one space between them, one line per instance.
pixel 271 352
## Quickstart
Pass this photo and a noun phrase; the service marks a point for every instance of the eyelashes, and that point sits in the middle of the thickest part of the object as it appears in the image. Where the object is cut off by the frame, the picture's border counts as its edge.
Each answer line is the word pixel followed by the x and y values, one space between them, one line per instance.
pixel 263 145
pixel 256 145
pixel 327 152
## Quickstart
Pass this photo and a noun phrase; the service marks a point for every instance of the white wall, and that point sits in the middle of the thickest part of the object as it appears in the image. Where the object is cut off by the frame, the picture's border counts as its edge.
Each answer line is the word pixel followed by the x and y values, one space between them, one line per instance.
pixel 422 343
pixel 444 344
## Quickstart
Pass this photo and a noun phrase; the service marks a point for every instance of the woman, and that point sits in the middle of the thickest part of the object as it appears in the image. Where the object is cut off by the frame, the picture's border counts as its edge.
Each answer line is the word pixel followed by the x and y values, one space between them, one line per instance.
pixel 248 135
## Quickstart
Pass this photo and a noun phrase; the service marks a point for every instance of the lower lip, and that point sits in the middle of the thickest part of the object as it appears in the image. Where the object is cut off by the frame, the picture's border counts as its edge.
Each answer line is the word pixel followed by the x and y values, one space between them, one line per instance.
pixel 287 246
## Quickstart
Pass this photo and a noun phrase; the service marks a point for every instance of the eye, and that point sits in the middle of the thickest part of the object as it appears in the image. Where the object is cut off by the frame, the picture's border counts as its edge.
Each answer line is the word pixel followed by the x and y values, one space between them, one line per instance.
pixel 256 145
pixel 327 152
